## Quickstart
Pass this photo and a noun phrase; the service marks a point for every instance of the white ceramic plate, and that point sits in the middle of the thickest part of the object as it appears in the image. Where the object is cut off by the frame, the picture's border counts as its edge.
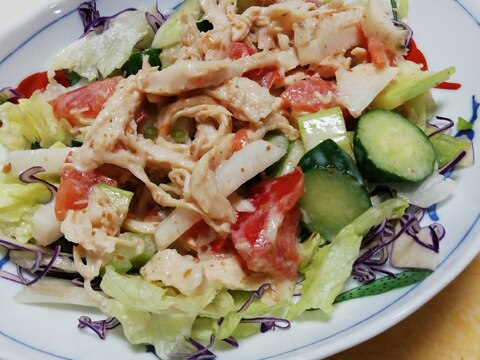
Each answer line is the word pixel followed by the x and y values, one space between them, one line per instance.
pixel 448 32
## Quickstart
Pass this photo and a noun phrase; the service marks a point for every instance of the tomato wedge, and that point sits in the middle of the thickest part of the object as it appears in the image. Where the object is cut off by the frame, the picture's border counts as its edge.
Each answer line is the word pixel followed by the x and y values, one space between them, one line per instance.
pixel 265 76
pixel 85 102
pixel 310 95
pixel 267 238
pixel 377 53
pixel 237 49
pixel 39 81
pixel 74 188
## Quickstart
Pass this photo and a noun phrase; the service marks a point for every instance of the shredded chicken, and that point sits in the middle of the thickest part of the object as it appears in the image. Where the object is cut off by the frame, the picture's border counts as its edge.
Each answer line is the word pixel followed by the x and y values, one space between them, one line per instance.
pixel 189 75
pixel 214 94
pixel 246 99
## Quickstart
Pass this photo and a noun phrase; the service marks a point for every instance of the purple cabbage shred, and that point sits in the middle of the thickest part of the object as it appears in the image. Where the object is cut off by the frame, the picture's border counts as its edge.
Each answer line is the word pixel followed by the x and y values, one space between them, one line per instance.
pixel 9 94
pixel 407 28
pixel 376 243
pixel 156 19
pixel 35 272
pixel 92 20
pixel 28 176
pixel 100 327
pixel 202 352
pixel 439 129
pixel 448 168
pixel 255 295
pixel 268 323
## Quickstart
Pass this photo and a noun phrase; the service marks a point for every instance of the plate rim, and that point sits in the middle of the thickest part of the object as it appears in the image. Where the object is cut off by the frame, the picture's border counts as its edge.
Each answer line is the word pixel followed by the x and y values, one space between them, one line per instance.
pixel 308 351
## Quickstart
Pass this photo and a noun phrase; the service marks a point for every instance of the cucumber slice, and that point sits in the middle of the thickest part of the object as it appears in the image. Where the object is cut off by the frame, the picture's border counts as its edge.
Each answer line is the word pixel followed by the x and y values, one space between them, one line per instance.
pixel 289 161
pixel 331 200
pixel 277 138
pixel 170 32
pixel 389 148
pixel 334 191
pixel 322 125
pixel 329 155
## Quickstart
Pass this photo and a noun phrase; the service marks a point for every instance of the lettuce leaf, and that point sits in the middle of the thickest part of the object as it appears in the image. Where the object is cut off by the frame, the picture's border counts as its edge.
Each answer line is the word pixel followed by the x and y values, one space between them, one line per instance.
pixel 18 202
pixel 448 148
pixel 157 315
pixel 31 121
pixel 331 265
pixel 166 332
pixel 100 54
pixel 230 324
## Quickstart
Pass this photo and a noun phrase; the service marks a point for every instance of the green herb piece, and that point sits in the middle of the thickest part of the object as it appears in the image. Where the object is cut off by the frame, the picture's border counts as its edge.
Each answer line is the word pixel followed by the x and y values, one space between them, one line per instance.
pixel 135 61
pixel 72 77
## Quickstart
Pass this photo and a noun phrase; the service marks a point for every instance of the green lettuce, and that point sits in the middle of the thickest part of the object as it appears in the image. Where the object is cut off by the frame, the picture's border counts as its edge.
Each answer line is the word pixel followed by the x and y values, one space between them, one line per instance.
pixel 331 265
pixel 448 147
pixel 157 315
pixel 231 323
pixel 31 121
pixel 18 202
pixel 98 55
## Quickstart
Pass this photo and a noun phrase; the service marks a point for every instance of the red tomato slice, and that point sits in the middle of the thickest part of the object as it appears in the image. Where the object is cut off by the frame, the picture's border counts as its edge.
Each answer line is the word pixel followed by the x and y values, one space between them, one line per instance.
pixel 39 81
pixel 74 188
pixel 265 76
pixel 377 53
pixel 85 102
pixel 237 49
pixel 241 139
pixel 310 95
pixel 266 238
pixel 415 54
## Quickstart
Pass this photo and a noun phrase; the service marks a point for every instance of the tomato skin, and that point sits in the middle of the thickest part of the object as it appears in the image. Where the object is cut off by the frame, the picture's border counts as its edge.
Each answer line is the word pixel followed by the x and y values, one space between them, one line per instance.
pixel 415 55
pixel 84 102
pixel 377 53
pixel 72 194
pixel 240 140
pixel 275 202
pixel 39 81
pixel 237 50
pixel 302 96
pixel 266 76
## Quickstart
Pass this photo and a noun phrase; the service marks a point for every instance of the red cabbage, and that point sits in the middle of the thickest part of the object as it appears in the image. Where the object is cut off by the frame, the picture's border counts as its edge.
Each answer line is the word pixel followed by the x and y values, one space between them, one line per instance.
pixel 156 19
pixel 268 323
pixel 405 27
pixel 92 20
pixel 9 94
pixel 28 176
pixel 440 129
pixel 255 295
pixel 100 327
pixel 370 261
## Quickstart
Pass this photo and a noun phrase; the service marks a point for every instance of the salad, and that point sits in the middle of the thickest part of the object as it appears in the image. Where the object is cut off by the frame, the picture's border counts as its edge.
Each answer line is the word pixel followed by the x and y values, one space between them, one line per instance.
pixel 215 172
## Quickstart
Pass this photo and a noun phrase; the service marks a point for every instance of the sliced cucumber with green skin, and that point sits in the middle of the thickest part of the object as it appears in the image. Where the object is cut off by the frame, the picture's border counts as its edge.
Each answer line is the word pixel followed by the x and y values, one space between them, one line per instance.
pixel 170 32
pixel 289 161
pixel 390 148
pixel 277 138
pixel 329 155
pixel 334 191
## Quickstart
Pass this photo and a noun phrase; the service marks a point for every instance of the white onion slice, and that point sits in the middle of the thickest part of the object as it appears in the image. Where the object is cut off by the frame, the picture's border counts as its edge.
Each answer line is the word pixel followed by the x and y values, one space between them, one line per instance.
pixel 243 165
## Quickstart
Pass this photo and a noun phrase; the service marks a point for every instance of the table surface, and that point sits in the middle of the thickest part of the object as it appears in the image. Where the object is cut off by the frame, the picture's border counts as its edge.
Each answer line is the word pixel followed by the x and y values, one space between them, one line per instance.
pixel 447 327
